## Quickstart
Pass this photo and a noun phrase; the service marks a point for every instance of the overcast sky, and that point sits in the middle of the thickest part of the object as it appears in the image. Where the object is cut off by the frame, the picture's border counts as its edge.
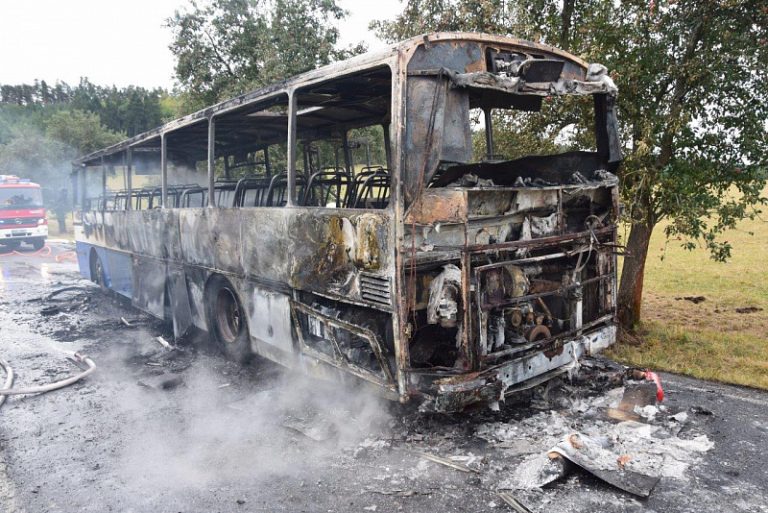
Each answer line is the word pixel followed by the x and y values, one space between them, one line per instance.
pixel 118 42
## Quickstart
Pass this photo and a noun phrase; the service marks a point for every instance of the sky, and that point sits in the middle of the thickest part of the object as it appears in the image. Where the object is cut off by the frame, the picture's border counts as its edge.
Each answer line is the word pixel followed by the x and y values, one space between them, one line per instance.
pixel 119 42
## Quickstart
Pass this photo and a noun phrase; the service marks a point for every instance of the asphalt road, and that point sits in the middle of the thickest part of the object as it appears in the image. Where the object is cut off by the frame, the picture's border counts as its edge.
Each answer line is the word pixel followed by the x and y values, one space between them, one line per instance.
pixel 186 431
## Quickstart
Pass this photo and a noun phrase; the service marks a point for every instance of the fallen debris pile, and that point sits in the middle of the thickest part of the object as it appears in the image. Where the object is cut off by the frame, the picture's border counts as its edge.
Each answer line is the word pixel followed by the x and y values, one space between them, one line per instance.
pixel 606 423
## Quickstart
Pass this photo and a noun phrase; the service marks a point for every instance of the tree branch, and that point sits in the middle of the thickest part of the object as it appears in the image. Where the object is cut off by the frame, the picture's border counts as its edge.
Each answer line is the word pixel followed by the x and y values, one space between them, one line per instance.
pixel 218 55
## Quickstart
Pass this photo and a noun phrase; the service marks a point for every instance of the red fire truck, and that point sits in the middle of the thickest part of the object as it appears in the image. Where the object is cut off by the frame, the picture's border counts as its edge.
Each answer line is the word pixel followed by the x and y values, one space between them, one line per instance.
pixel 22 215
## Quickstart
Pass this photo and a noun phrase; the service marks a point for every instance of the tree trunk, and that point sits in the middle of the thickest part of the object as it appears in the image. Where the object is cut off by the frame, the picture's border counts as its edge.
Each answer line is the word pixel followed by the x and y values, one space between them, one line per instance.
pixel 566 20
pixel 632 274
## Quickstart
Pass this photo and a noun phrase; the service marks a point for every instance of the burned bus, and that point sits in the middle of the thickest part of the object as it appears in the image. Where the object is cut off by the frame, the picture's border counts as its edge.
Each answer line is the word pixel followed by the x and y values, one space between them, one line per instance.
pixel 431 268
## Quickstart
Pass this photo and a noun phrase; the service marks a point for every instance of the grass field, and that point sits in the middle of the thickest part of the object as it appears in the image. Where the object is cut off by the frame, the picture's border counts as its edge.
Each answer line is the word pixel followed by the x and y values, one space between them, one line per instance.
pixel 710 339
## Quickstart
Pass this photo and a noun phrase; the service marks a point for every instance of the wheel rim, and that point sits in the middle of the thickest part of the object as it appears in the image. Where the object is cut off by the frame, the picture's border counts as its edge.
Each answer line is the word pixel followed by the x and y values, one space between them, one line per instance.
pixel 228 316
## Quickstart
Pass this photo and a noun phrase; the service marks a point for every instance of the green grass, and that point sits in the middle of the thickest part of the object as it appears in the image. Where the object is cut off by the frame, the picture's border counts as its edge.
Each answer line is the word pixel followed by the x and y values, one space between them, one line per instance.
pixel 708 340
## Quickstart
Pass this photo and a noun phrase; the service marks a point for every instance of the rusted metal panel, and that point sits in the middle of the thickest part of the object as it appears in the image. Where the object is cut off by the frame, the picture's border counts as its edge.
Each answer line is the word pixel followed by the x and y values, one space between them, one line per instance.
pixel 439 206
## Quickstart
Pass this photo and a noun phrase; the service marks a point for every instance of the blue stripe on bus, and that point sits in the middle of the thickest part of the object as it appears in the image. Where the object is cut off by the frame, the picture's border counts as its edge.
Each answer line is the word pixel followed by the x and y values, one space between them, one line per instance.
pixel 118 267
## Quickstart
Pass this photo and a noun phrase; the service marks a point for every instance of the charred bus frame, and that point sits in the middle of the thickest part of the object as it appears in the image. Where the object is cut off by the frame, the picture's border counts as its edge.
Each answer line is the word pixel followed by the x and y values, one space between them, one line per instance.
pixel 431 278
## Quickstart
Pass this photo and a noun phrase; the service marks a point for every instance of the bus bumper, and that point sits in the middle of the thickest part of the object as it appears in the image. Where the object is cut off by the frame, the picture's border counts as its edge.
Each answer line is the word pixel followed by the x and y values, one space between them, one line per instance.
pixel 492 385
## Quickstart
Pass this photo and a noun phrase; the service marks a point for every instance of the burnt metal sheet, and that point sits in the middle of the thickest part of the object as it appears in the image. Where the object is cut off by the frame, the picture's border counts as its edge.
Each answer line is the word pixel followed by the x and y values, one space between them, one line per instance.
pixel 269 316
pixel 150 232
pixel 438 206
pixel 455 393
pixel 149 285
pixel 179 300
pixel 211 237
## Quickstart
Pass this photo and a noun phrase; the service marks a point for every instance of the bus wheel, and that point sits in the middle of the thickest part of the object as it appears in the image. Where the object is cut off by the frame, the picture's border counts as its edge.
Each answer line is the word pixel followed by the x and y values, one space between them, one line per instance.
pixel 97 270
pixel 227 320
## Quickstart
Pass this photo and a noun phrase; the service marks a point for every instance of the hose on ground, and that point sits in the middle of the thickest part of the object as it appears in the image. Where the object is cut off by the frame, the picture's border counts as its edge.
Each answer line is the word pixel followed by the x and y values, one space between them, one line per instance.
pixel 8 379
pixel 7 390
pixel 45 251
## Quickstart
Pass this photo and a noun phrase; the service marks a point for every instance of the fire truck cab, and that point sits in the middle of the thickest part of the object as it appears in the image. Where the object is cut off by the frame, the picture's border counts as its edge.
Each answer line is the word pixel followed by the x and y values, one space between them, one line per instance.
pixel 22 214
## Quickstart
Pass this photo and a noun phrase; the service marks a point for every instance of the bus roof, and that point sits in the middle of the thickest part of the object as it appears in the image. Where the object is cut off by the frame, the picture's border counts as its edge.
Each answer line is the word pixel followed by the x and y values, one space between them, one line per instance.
pixel 150 140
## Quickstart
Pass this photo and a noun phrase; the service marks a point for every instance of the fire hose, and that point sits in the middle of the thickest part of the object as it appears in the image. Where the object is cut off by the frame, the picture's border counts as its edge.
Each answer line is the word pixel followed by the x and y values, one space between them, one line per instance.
pixel 7 390
pixel 43 252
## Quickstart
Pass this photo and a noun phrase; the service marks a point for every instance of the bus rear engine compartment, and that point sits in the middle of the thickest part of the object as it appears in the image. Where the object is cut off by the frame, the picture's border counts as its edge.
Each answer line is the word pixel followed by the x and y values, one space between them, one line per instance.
pixel 511 295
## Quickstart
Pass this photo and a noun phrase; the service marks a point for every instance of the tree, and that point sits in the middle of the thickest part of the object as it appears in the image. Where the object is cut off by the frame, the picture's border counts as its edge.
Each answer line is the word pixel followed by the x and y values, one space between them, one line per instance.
pixel 81 131
pixel 692 104
pixel 131 110
pixel 226 47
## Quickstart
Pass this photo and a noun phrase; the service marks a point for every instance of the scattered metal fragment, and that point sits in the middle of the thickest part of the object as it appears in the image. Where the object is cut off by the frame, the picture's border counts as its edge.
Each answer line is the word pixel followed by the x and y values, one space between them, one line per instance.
pixel 513 503
pixel 537 470
pixel 447 463
pixel 400 492
pixel 124 321
pixel 636 396
pixel 164 343
pixel 589 454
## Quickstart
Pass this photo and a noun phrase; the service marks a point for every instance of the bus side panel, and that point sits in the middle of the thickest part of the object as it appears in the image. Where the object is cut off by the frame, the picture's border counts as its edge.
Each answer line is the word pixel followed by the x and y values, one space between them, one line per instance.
pixel 211 237
pixel 151 232
pixel 269 317
pixel 116 264
pixel 196 278
pixel 149 285
pixel 120 271
pixel 83 250
pixel 268 245
pixel 181 310
pixel 316 250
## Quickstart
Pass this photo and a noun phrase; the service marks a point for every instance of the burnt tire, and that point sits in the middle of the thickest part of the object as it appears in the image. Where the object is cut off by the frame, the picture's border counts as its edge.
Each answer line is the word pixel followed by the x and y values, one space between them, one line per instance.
pixel 226 319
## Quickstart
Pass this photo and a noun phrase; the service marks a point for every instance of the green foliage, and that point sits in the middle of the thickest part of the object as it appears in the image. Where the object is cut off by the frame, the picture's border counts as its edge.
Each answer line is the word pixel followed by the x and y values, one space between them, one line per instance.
pixel 226 47
pixel 81 131
pixel 694 105
pixel 41 132
pixel 44 152
pixel 422 16
pixel 131 109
